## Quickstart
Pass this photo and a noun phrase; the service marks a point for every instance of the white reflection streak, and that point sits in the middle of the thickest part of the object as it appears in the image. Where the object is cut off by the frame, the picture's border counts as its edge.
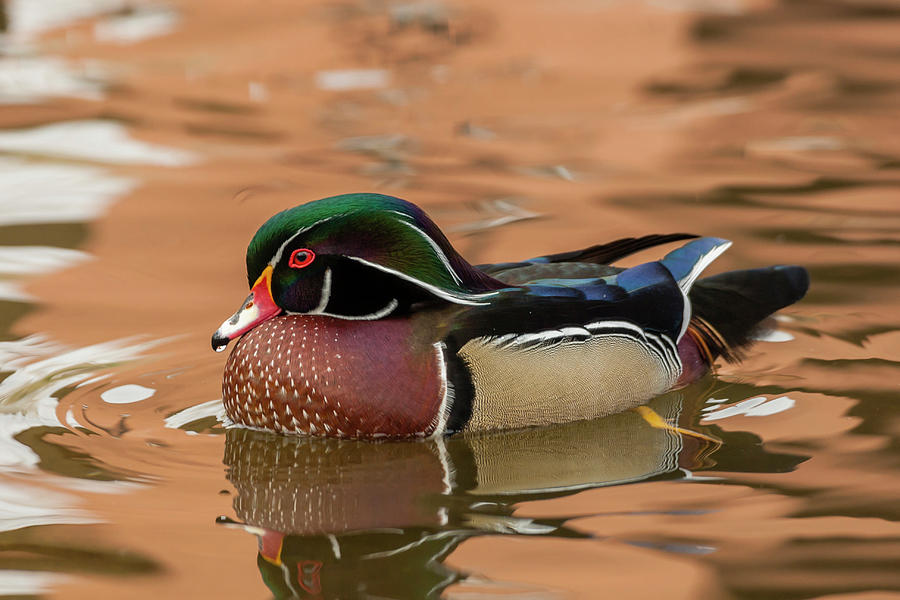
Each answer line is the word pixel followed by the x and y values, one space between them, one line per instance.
pixel 37 260
pixel 213 408
pixel 16 353
pixel 28 583
pixel 773 335
pixel 11 291
pixel 34 78
pixel 24 390
pixel 142 24
pixel 28 506
pixel 759 406
pixel 27 18
pixel 92 140
pixel 127 394
pixel 27 395
pixel 54 193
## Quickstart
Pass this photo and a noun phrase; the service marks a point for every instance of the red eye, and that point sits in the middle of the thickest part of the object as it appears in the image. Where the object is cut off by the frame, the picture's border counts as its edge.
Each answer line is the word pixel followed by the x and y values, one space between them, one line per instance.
pixel 301 258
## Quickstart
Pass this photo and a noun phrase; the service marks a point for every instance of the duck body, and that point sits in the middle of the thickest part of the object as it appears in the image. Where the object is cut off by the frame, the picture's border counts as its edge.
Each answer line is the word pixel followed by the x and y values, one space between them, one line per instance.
pixel 364 322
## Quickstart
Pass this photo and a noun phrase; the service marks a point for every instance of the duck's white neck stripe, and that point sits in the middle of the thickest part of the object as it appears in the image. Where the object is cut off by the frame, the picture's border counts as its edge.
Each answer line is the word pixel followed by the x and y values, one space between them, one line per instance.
pixel 378 314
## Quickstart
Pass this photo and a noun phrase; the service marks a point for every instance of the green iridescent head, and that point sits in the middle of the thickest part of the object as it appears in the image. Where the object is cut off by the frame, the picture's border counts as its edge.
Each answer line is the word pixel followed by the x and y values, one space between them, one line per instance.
pixel 360 256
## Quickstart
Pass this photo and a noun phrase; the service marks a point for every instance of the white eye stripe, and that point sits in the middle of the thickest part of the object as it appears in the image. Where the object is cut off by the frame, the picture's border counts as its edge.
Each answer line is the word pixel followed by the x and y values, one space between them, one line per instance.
pixel 280 252
pixel 458 298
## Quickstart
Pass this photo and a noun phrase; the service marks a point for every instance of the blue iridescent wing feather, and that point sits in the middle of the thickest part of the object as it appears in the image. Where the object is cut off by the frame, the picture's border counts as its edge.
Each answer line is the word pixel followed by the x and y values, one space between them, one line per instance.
pixel 649 295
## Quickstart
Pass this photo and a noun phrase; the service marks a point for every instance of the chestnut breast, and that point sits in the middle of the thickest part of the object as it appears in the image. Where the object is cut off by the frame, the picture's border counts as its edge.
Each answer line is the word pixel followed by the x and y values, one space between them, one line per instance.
pixel 319 375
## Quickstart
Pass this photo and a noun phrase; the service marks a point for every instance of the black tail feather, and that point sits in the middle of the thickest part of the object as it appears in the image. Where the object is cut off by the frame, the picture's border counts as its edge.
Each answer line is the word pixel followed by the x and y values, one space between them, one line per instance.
pixel 729 307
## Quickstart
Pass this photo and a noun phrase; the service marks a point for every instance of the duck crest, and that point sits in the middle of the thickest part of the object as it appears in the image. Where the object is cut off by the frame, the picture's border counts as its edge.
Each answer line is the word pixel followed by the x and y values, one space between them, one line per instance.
pixel 385 233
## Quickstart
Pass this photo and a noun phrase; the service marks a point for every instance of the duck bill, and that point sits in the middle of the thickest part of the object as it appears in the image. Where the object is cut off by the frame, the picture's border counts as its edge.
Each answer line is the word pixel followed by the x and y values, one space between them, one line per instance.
pixel 258 307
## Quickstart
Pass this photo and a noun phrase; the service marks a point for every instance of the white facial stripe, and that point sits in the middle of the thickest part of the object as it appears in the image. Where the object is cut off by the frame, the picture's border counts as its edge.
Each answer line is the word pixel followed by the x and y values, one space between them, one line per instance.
pixel 325 297
pixel 326 294
pixel 437 249
pixel 380 314
pixel 458 299
pixel 280 252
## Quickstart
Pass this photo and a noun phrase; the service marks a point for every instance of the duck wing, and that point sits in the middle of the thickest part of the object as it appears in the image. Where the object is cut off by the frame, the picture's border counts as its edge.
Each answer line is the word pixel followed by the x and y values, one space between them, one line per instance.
pixel 559 349
pixel 593 261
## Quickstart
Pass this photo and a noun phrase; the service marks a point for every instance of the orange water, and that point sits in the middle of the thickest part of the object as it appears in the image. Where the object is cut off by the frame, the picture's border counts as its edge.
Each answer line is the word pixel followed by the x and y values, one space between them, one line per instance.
pixel 523 128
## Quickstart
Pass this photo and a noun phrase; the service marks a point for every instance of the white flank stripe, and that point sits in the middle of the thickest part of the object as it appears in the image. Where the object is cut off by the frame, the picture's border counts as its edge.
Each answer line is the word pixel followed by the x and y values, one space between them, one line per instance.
pixel 600 325
pixel 580 331
pixel 550 334
pixel 503 338
pixel 671 358
pixel 660 346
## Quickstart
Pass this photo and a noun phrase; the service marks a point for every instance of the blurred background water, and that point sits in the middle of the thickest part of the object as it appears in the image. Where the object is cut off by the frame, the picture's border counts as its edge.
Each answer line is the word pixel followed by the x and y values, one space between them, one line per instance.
pixel 142 143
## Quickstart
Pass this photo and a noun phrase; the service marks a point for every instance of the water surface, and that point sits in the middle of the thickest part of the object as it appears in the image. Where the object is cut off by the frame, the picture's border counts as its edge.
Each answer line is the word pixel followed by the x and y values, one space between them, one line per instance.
pixel 141 146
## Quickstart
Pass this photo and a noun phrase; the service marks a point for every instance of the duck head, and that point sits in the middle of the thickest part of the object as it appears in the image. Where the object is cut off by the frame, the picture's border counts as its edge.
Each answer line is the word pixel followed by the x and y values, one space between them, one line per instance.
pixel 354 256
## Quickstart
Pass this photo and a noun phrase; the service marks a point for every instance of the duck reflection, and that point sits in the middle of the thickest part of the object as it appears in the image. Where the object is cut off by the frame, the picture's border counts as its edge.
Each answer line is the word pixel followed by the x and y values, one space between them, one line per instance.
pixel 346 519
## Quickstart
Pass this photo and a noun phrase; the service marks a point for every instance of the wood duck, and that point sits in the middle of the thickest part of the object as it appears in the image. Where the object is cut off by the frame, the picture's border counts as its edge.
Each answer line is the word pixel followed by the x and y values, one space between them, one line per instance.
pixel 364 322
